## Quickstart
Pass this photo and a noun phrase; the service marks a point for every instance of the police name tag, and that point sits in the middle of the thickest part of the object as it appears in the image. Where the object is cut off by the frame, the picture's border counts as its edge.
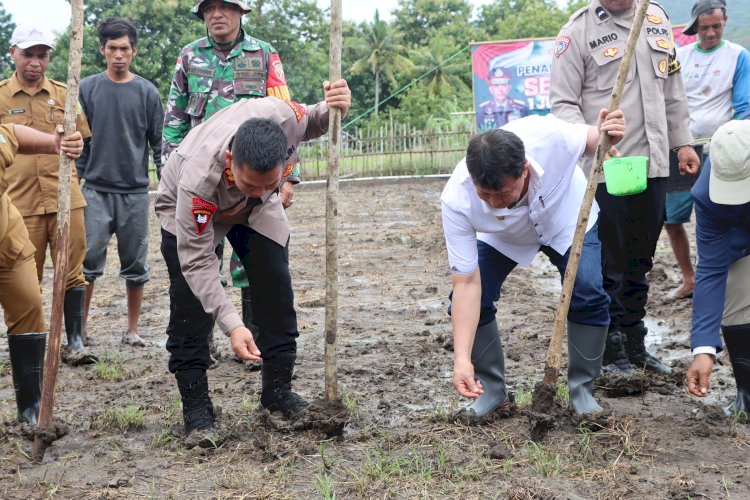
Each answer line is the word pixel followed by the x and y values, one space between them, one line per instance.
pixel 18 111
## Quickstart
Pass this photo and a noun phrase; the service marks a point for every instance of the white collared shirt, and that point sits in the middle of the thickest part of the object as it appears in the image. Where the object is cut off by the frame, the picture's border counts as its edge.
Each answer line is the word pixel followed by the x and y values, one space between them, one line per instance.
pixel 556 189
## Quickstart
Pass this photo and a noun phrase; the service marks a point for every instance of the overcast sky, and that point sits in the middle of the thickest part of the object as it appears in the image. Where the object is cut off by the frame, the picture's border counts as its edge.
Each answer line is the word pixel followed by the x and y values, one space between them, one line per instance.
pixel 56 13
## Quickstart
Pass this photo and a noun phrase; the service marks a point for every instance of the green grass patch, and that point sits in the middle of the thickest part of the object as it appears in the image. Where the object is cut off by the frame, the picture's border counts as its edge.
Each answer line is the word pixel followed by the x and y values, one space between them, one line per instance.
pixel 121 417
pixel 543 459
pixel 111 368
pixel 4 368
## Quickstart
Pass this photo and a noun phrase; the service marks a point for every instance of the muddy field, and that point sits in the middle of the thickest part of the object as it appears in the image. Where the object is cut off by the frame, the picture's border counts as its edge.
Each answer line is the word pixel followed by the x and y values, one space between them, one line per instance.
pixel 395 362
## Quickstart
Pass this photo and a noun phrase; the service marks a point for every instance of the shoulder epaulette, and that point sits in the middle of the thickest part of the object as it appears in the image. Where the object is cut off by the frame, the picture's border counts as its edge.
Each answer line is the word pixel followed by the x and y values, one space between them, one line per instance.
pixel 666 14
pixel 58 84
pixel 576 15
pixel 4 82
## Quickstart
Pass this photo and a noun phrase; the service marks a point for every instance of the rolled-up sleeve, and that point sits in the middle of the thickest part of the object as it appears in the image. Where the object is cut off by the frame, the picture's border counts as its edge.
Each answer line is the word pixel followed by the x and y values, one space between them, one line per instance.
pixel 461 241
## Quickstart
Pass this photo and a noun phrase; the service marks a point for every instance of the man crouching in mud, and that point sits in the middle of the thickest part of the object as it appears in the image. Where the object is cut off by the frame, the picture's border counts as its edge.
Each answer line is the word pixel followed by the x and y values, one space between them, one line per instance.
pixel 519 191
pixel 223 180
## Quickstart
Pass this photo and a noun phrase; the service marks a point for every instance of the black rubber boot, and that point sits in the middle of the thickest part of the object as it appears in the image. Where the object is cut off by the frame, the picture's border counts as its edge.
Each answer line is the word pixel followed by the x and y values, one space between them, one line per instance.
pixel 615 357
pixel 75 354
pixel 489 367
pixel 737 339
pixel 197 410
pixel 27 363
pixel 585 353
pixel 277 394
pixel 639 357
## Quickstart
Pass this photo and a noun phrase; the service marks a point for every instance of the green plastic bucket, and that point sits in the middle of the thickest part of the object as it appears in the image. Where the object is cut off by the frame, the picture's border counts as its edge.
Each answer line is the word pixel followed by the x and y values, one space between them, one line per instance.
pixel 626 175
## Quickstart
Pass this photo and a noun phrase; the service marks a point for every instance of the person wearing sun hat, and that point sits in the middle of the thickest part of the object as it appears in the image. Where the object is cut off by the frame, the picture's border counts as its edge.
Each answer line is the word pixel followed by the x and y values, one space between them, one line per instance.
pixel 722 286
pixel 29 98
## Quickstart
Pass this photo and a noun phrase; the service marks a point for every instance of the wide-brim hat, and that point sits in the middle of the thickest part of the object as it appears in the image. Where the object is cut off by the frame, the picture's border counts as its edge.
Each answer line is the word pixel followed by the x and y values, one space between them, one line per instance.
pixel 239 3
pixel 701 7
pixel 729 183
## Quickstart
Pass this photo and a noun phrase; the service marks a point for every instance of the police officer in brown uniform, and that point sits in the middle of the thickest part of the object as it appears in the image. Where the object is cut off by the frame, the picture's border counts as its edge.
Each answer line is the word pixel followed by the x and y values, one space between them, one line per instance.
pixel 223 180
pixel 584 67
pixel 20 295
pixel 30 98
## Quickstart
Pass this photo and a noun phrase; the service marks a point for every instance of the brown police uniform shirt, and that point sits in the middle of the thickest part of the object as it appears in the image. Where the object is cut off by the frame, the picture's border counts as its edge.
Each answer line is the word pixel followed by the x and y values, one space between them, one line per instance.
pixel 586 59
pixel 13 235
pixel 33 180
pixel 198 201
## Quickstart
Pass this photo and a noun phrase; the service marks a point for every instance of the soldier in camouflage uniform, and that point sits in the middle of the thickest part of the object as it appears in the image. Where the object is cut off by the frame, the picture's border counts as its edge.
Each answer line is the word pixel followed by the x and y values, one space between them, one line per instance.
pixel 212 73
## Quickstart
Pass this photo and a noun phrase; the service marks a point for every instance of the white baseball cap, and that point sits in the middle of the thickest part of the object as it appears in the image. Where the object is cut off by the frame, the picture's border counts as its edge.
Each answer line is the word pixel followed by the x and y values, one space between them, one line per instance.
pixel 729 183
pixel 29 35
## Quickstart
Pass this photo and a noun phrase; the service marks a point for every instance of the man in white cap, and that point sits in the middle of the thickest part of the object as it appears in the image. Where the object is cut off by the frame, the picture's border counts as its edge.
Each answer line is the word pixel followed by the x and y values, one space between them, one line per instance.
pixel 722 287
pixel 29 98
pixel 716 74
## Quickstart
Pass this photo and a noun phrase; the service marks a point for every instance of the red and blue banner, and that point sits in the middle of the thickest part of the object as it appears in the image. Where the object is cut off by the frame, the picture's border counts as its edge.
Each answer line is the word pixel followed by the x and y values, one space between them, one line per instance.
pixel 512 78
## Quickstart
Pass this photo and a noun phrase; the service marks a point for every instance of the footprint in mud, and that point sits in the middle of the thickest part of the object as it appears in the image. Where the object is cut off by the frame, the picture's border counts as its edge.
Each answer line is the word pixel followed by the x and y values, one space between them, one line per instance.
pixel 328 418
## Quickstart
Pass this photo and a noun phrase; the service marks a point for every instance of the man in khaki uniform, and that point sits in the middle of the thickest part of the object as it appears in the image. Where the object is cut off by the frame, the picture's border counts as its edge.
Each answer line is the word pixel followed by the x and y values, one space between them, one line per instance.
pixel 223 180
pixel 30 98
pixel 584 68
pixel 20 295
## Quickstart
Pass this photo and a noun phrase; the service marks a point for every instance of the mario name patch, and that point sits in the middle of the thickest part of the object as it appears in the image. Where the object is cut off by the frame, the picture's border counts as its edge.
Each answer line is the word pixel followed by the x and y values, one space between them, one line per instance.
pixel 229 176
pixel 561 45
pixel 202 212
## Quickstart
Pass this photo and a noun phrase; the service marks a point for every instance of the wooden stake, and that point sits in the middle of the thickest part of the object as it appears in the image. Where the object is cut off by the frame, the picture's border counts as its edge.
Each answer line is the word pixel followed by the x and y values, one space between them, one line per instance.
pixel 63 230
pixel 554 354
pixel 332 191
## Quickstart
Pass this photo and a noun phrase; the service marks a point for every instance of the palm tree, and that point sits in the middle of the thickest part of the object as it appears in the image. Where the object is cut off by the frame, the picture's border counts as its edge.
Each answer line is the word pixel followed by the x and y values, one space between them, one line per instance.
pixel 379 49
pixel 442 72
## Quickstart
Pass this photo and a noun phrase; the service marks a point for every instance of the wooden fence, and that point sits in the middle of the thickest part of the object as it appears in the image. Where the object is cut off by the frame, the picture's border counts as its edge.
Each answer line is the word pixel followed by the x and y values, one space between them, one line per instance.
pixel 390 150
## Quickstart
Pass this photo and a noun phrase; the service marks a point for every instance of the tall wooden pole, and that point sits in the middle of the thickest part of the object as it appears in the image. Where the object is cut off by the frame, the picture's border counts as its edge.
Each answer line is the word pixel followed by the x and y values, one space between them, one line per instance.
pixel 52 362
pixel 554 354
pixel 332 191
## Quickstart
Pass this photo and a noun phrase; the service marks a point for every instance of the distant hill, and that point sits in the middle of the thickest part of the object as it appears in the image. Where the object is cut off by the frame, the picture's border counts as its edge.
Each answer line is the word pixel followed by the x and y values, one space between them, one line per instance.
pixel 738 27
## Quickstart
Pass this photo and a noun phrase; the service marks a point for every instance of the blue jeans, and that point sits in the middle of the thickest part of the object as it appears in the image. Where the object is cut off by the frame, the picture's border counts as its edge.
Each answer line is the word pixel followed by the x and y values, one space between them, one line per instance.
pixel 589 304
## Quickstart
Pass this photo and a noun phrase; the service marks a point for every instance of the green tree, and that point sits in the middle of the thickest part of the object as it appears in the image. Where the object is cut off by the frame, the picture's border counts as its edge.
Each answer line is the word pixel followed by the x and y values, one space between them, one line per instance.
pixel 444 72
pixel 6 31
pixel 379 50
pixel 423 20
pixel 515 19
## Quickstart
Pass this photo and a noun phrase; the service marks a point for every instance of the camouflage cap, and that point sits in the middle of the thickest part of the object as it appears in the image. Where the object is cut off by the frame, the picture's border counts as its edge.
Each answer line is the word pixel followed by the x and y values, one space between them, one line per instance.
pixel 499 76
pixel 239 3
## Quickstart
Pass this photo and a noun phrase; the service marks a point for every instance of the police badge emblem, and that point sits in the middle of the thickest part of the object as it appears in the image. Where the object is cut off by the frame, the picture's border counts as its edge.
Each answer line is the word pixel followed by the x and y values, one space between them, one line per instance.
pixel 561 45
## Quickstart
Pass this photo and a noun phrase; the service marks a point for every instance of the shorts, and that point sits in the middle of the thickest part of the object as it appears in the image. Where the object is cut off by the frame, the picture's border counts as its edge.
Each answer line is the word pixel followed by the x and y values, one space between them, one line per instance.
pixel 679 207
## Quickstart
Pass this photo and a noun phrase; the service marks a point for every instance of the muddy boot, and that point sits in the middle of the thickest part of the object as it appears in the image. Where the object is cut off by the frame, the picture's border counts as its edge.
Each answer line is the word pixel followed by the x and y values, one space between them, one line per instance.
pixel 277 394
pixel 585 353
pixel 489 367
pixel 197 410
pixel 615 358
pixel 737 339
pixel 638 356
pixel 75 354
pixel 27 364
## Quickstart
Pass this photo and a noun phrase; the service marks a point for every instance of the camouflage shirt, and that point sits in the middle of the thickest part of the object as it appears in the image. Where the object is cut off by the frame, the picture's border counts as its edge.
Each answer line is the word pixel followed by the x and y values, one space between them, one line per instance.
pixel 209 77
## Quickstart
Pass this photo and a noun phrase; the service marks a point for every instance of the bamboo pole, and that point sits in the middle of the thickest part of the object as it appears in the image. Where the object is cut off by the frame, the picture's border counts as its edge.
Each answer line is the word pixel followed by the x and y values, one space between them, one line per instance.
pixel 332 189
pixel 52 362
pixel 554 354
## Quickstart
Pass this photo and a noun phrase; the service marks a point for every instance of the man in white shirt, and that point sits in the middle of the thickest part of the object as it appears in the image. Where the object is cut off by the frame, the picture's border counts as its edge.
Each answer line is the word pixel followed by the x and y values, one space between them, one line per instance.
pixel 518 191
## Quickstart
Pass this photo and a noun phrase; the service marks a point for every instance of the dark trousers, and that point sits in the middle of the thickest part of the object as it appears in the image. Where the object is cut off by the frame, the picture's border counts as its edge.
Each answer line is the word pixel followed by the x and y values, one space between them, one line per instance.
pixel 272 301
pixel 589 302
pixel 629 228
